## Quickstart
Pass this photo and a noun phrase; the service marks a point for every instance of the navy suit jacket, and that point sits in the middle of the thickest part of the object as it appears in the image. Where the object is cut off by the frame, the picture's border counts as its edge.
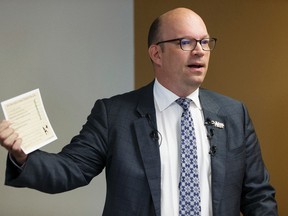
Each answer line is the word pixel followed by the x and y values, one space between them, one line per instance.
pixel 117 137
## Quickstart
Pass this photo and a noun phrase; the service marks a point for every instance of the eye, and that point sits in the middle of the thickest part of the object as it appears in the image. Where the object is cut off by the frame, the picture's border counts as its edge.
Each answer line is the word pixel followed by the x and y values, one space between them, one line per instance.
pixel 205 41
pixel 185 42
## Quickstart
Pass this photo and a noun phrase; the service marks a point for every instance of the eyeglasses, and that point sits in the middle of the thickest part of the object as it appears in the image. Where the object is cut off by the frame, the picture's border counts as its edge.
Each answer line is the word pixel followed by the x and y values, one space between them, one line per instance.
pixel 207 44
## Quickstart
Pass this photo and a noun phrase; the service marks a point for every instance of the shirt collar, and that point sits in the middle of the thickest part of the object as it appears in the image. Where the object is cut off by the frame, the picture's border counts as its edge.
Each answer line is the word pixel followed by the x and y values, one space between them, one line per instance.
pixel 164 97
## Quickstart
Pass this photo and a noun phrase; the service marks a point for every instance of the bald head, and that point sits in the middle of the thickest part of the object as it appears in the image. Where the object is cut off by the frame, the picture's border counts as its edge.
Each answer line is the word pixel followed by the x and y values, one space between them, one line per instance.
pixel 168 23
pixel 180 71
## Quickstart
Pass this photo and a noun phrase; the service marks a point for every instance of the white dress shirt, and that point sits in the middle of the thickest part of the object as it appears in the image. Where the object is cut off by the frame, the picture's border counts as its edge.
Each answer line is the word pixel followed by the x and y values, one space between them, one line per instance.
pixel 168 115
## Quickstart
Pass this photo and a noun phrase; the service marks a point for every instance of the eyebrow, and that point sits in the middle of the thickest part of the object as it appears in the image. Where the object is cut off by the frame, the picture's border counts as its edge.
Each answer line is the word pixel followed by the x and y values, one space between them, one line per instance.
pixel 189 37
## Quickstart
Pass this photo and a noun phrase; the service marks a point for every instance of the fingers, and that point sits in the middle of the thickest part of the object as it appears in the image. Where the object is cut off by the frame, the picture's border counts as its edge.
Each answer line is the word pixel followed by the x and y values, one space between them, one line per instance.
pixel 4 124
pixel 17 152
pixel 9 140
pixel 7 135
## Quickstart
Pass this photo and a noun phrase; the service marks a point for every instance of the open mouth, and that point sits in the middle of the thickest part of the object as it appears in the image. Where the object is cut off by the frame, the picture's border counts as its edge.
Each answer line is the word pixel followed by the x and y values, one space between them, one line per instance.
pixel 195 66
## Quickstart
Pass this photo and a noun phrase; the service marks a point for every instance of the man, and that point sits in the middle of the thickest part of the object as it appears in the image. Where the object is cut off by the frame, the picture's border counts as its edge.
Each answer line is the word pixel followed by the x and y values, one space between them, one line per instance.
pixel 137 138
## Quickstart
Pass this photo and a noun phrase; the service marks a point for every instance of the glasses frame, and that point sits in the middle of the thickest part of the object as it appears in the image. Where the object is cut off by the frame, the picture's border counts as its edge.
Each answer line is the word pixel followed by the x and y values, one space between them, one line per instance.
pixel 197 41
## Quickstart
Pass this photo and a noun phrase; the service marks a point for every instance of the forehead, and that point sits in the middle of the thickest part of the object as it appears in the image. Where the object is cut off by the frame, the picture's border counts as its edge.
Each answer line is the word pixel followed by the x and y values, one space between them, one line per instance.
pixel 183 24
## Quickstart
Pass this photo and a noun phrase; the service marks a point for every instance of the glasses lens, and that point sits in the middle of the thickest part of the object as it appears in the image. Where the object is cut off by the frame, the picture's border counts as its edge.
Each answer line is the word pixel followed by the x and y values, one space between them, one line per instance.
pixel 187 44
pixel 208 43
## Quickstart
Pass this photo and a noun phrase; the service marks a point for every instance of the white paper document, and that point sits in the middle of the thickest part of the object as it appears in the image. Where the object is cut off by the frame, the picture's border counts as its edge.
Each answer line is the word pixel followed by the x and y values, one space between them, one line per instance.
pixel 27 114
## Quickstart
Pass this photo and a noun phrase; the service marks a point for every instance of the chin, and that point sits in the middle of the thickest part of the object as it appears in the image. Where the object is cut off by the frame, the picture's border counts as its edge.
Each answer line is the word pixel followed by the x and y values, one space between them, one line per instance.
pixel 197 79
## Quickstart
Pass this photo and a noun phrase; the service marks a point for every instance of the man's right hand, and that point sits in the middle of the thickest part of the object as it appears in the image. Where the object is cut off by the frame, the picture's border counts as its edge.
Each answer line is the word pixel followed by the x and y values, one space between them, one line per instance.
pixel 10 140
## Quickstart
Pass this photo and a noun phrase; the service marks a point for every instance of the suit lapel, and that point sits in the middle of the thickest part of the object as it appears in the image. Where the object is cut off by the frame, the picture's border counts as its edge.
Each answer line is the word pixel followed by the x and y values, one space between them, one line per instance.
pixel 149 148
pixel 145 126
pixel 218 140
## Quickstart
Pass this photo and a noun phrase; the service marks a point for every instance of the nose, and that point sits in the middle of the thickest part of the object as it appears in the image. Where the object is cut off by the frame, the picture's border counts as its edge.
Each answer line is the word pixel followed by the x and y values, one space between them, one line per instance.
pixel 198 50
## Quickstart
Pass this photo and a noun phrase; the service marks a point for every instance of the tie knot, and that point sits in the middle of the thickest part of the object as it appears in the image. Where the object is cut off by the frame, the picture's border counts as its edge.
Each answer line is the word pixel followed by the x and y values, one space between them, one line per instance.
pixel 184 103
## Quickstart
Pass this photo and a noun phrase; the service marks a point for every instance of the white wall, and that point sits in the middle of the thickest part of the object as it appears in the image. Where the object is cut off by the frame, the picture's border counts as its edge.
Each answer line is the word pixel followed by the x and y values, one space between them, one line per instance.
pixel 74 51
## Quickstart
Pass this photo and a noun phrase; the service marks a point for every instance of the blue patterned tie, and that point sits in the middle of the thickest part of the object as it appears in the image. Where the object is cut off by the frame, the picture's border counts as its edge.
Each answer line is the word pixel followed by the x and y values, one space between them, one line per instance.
pixel 189 199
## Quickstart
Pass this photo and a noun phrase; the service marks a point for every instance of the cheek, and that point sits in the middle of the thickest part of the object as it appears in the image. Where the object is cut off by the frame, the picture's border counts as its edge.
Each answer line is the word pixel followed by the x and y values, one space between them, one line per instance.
pixel 170 62
pixel 174 62
pixel 207 57
pixel 178 61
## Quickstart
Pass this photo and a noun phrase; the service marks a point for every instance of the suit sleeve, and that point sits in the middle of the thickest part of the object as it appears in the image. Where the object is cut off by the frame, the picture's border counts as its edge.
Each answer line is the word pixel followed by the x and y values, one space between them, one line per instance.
pixel 74 166
pixel 258 196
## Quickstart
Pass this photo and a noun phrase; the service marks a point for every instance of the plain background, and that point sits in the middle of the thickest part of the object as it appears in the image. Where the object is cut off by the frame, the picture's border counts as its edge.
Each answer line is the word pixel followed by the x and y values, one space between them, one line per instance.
pixel 250 63
pixel 74 51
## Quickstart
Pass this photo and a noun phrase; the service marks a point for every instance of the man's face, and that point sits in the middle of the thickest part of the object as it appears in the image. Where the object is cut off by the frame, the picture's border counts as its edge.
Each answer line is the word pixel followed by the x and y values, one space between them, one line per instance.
pixel 182 71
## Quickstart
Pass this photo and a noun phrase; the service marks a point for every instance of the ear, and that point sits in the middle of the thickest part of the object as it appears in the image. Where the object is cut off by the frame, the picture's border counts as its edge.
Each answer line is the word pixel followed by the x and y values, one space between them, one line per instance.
pixel 155 54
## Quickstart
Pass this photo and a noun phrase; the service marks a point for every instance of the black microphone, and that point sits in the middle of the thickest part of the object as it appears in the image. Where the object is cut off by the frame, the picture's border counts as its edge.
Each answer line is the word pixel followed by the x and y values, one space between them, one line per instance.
pixel 154 135
pixel 212 151
pixel 208 121
pixel 210 133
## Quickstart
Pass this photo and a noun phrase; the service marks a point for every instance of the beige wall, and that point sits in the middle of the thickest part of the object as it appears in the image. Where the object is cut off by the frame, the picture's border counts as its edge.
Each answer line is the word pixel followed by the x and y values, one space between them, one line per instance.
pixel 63 48
pixel 250 64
